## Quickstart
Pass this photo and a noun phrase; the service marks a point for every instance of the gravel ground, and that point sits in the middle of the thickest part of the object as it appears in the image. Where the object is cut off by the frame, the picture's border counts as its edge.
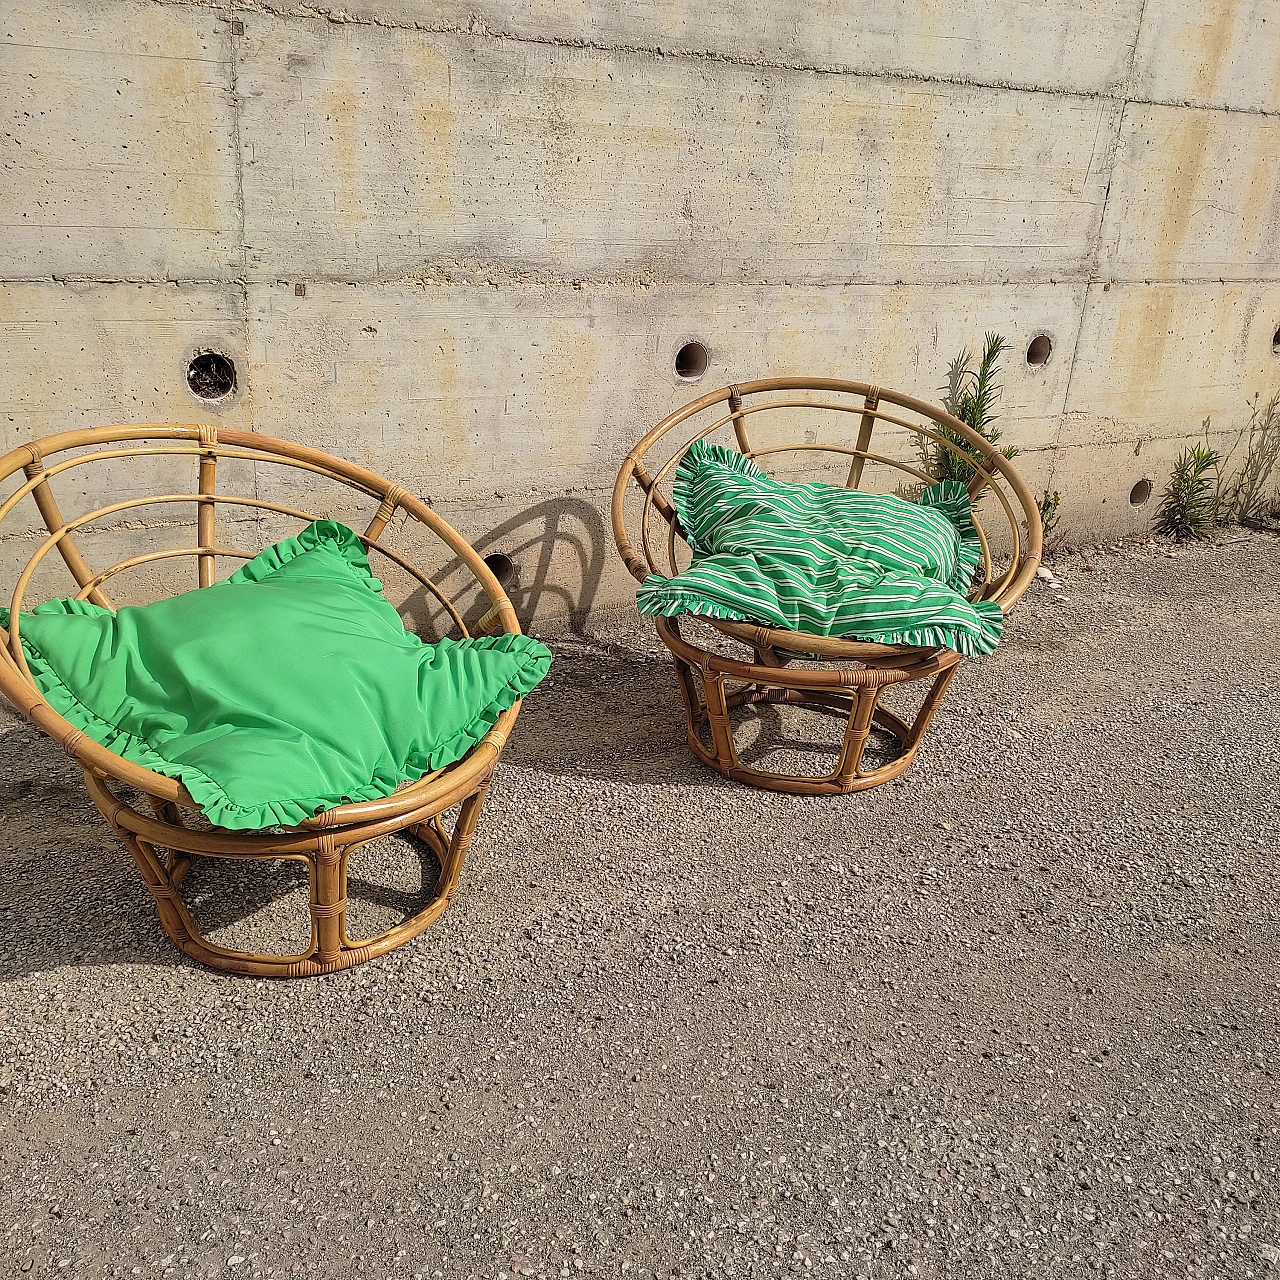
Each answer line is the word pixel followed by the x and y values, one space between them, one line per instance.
pixel 1013 1015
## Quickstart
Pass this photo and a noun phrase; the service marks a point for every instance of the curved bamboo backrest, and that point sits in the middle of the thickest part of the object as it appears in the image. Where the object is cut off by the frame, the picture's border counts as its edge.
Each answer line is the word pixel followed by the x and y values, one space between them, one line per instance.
pixel 44 460
pixel 744 408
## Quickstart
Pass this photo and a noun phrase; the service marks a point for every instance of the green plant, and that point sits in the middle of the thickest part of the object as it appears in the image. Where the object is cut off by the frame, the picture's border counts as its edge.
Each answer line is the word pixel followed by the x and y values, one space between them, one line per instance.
pixel 1252 496
pixel 1049 504
pixel 1191 504
pixel 970 395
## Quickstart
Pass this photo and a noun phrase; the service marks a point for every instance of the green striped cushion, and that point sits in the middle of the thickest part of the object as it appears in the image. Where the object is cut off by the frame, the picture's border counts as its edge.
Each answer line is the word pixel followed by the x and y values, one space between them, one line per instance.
pixel 822 560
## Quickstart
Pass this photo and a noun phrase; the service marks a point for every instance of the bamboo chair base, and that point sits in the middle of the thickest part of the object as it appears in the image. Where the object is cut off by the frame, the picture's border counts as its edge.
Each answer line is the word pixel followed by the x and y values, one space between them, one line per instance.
pixel 164 851
pixel 162 845
pixel 712 688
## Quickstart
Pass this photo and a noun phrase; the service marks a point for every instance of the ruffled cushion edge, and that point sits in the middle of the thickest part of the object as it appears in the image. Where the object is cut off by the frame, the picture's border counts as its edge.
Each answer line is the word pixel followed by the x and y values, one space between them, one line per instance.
pixel 700 455
pixel 318 533
pixel 657 596
pixel 951 499
pixel 224 812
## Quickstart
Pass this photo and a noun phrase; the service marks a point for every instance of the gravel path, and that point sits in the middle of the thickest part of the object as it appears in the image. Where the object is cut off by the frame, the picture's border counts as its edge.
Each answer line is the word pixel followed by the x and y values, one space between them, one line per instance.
pixel 1017 1014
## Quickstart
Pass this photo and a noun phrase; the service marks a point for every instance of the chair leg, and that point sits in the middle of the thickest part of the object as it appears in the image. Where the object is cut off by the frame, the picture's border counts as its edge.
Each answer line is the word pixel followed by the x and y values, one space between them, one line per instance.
pixel 179 861
pixel 856 734
pixel 931 703
pixel 329 899
pixel 718 719
pixel 696 713
pixel 464 830
pixel 693 704
pixel 173 915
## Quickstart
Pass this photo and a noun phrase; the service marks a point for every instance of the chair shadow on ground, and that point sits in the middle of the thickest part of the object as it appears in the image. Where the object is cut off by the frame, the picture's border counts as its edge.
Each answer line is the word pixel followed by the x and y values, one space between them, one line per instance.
pixel 610 711
pixel 70 894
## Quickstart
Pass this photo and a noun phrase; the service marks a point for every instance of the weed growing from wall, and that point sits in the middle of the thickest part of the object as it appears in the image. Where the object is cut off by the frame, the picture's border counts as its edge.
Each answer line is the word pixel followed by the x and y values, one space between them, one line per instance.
pixel 1254 495
pixel 1191 504
pixel 1050 501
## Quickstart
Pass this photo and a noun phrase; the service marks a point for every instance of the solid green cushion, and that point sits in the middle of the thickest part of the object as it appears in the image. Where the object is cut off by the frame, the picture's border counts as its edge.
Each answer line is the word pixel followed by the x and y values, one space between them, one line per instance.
pixel 289 688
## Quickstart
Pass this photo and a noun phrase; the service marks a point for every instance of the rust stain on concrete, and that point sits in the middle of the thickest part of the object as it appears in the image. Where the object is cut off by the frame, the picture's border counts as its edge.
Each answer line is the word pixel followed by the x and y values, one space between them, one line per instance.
pixel 340 102
pixel 448 411
pixel 178 95
pixel 1260 197
pixel 1172 355
pixel 827 194
pixel 1143 326
pixel 913 171
pixel 435 119
pixel 570 374
pixel 1187 149
pixel 1210 44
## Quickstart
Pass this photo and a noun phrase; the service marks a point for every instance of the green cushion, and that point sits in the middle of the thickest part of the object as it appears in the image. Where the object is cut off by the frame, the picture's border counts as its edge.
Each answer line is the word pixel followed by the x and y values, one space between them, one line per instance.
pixel 289 688
pixel 822 560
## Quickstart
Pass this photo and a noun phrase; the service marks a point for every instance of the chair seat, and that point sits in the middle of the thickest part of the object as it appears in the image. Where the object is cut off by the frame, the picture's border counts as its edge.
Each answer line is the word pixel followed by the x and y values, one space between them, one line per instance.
pixel 438 810
pixel 772 665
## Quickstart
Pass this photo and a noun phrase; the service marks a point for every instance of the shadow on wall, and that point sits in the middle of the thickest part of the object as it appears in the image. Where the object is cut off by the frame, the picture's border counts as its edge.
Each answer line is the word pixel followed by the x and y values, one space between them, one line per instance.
pixel 557 549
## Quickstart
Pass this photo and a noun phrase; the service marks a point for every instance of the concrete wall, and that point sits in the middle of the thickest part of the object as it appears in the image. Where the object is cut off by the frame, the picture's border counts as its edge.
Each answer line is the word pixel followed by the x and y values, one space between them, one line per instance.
pixel 508 216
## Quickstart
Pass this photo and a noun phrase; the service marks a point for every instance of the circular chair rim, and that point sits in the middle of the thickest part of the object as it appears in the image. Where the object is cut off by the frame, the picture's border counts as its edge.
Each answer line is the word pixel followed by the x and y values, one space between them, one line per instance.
pixel 439 790
pixel 834 648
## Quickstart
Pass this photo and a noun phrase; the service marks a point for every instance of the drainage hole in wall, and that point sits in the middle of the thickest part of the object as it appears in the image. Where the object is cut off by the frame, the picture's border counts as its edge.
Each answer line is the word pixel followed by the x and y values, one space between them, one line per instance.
pixel 211 375
pixel 1140 494
pixel 691 361
pixel 502 567
pixel 1040 349
pixel 1275 342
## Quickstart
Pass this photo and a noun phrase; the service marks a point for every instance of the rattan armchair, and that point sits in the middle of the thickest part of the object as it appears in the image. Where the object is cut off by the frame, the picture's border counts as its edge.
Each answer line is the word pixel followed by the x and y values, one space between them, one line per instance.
pixel 749 664
pixel 441 809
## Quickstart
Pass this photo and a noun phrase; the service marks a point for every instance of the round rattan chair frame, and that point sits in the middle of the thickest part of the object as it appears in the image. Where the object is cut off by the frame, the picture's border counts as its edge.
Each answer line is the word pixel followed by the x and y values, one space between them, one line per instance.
pixel 850 676
pixel 161 842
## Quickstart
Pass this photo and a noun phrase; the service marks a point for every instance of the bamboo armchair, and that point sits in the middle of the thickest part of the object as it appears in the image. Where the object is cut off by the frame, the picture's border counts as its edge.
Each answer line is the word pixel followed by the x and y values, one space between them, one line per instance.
pixel 166 841
pixel 847 678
